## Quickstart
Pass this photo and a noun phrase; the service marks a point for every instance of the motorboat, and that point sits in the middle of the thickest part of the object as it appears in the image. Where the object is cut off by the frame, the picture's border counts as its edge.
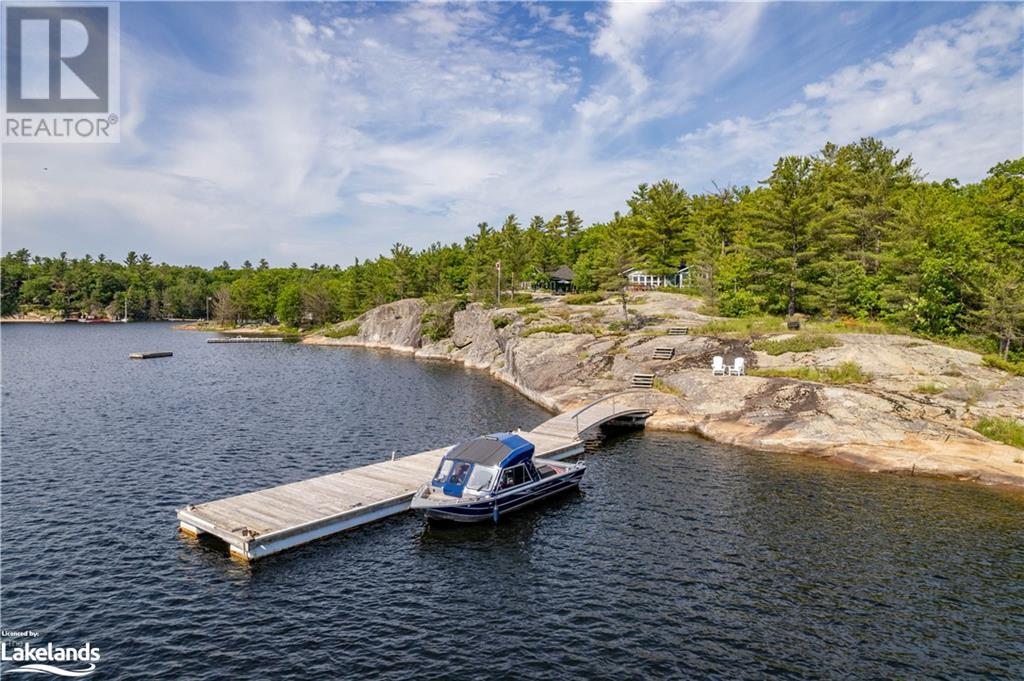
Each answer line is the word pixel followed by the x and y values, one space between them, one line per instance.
pixel 490 476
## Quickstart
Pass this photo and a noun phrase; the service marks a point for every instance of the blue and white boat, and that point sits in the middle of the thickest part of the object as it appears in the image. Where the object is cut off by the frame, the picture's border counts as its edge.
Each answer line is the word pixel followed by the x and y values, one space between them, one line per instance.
pixel 489 476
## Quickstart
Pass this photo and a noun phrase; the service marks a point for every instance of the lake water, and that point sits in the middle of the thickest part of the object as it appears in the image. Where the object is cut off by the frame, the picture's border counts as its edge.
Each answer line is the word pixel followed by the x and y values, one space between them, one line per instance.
pixel 678 558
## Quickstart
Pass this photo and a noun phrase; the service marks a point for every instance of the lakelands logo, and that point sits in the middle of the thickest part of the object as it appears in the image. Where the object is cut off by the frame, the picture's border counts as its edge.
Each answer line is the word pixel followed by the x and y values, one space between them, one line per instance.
pixel 61 72
pixel 38 659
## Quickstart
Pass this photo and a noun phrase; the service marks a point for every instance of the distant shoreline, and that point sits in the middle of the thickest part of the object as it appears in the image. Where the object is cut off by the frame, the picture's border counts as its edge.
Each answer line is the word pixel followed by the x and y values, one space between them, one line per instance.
pixel 25 319
pixel 213 327
pixel 29 319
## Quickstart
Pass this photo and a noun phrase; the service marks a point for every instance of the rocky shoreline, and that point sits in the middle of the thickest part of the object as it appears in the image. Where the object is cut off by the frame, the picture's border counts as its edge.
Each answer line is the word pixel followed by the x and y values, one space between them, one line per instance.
pixel 561 355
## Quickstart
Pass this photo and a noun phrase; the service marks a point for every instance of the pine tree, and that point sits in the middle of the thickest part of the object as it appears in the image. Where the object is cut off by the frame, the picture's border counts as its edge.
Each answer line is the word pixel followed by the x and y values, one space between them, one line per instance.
pixel 1002 307
pixel 712 227
pixel 782 216
pixel 658 217
pixel 615 255
pixel 515 251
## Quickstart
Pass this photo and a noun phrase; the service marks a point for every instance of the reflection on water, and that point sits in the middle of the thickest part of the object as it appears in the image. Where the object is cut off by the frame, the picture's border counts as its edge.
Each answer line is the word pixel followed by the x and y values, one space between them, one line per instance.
pixel 678 558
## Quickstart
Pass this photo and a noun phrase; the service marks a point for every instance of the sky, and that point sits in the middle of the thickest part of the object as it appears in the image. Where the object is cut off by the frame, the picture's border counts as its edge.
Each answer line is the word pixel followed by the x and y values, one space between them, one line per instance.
pixel 327 132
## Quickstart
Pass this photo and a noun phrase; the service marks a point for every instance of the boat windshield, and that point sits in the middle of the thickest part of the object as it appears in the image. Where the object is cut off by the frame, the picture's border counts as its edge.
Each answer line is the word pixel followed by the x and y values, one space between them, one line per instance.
pixel 472 477
pixel 442 472
pixel 480 478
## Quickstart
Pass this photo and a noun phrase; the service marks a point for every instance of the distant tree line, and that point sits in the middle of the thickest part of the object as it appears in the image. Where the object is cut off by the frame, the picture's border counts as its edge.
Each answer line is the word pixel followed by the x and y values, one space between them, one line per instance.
pixel 852 231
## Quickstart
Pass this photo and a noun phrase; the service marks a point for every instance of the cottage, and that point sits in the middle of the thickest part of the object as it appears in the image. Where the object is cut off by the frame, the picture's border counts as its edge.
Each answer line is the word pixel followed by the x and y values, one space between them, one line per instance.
pixel 560 280
pixel 639 279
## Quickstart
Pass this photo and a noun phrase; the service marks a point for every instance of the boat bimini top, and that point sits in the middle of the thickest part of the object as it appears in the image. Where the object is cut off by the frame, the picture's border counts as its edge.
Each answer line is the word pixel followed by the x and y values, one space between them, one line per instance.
pixel 475 464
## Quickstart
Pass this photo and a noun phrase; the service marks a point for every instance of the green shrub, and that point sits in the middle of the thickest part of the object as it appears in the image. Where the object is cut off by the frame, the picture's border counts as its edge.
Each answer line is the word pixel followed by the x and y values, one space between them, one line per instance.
pixel 342 331
pixel 851 325
pixel 744 326
pixel 664 387
pixel 501 322
pixel 583 298
pixel 529 309
pixel 549 328
pixel 439 319
pixel 798 343
pixel 930 389
pixel 1006 431
pixel 845 373
pixel 516 300
pixel 997 362
pixel 592 329
pixel 434 326
pixel 739 303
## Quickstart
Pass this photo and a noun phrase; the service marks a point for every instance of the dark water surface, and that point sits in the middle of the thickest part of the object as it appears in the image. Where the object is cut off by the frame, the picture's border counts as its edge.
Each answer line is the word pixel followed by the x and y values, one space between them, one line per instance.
pixel 679 558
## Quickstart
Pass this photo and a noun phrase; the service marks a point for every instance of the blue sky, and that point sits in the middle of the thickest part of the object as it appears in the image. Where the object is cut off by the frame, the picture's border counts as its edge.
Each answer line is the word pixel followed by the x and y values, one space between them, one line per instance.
pixel 325 132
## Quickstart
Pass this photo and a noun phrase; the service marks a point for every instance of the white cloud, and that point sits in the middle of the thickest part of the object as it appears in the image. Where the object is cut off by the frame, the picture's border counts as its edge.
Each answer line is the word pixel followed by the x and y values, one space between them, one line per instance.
pixel 343 134
pixel 556 21
pixel 952 97
pixel 625 29
pixel 663 57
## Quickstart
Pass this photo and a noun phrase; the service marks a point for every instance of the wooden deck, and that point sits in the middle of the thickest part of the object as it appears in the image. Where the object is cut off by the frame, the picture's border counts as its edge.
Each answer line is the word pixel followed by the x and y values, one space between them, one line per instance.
pixel 261 523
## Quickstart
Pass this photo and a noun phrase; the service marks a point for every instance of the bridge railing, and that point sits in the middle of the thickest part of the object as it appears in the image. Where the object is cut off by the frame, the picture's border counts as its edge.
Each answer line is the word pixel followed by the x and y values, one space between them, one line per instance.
pixel 628 400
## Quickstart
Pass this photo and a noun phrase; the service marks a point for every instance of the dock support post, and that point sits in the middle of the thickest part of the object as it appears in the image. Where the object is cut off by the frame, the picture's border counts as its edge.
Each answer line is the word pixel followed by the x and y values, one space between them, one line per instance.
pixel 238 553
pixel 190 530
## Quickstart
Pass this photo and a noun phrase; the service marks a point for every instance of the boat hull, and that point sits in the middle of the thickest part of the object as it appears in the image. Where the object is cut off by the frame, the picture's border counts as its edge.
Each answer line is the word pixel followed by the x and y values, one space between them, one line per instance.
pixel 492 508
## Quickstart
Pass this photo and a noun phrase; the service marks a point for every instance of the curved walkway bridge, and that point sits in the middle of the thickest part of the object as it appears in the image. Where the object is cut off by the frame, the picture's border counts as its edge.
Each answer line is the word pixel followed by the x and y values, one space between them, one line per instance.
pixel 258 524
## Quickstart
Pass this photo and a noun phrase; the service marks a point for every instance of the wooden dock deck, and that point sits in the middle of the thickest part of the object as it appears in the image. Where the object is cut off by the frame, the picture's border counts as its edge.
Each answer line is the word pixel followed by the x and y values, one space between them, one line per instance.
pixel 261 523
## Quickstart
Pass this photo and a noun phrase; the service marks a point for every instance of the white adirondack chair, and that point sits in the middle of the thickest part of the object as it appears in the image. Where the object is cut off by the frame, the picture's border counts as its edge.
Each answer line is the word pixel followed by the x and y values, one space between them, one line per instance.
pixel 717 366
pixel 738 367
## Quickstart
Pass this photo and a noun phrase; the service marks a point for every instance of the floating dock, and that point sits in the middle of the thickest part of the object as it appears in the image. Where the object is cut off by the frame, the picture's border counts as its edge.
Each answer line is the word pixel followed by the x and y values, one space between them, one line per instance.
pixel 258 524
pixel 247 339
pixel 149 355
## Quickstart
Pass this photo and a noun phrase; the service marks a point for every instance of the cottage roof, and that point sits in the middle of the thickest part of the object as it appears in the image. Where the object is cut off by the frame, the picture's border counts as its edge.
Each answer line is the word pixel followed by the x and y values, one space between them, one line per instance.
pixel 563 273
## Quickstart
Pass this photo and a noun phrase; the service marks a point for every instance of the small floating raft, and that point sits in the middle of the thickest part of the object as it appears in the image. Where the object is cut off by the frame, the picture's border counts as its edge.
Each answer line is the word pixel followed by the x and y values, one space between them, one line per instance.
pixel 149 355
pixel 246 339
